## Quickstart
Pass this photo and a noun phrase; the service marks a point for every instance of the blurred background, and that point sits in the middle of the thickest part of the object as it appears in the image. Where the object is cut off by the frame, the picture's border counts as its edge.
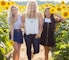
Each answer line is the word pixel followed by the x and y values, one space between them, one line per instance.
pixel 59 52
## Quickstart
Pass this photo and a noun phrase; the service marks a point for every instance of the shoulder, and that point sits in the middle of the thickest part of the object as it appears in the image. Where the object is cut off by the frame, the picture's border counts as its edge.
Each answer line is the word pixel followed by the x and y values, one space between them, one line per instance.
pixel 39 14
pixel 23 17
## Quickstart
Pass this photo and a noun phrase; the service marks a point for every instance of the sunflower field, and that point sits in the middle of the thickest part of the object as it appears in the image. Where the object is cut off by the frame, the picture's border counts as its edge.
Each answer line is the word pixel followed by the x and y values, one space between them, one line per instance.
pixel 5 44
pixel 60 51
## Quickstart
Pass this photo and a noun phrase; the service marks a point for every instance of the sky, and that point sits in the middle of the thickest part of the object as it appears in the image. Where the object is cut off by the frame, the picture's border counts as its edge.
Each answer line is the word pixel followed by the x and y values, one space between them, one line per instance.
pixel 42 0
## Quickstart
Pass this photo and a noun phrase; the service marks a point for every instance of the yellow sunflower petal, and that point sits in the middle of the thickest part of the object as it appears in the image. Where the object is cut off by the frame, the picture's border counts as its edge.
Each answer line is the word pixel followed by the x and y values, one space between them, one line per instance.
pixel 52 10
pixel 65 14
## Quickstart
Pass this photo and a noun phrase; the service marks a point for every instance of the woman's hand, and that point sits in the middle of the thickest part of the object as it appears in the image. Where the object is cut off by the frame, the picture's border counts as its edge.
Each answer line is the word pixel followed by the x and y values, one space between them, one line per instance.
pixel 38 36
pixel 60 18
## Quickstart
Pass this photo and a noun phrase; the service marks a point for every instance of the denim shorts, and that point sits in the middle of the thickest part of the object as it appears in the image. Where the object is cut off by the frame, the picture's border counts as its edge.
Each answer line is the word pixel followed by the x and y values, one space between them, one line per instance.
pixel 18 36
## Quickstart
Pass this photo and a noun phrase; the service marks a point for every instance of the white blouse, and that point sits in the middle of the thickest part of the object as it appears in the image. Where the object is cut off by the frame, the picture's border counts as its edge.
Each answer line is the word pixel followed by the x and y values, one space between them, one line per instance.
pixel 47 20
pixel 17 24
pixel 31 25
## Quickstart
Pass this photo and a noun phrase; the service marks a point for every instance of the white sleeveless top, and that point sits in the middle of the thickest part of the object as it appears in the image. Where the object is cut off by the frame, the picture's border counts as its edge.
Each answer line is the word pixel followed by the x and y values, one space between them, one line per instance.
pixel 47 20
pixel 31 25
pixel 17 24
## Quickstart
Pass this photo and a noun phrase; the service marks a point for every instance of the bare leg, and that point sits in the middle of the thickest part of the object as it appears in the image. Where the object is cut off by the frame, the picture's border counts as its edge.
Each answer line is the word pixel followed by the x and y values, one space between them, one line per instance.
pixel 46 52
pixel 16 52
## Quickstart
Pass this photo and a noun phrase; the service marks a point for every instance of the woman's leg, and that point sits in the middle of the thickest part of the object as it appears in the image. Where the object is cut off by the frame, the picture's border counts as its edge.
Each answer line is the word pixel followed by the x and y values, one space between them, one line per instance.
pixel 46 48
pixel 36 45
pixel 16 52
pixel 28 41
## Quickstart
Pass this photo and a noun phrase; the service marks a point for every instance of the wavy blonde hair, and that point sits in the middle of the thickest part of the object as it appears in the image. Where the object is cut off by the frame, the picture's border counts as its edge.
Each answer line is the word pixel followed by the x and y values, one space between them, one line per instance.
pixel 28 9
pixel 12 19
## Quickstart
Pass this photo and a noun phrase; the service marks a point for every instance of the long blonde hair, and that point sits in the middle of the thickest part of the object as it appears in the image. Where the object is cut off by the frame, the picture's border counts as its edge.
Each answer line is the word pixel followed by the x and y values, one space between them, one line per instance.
pixel 28 9
pixel 12 19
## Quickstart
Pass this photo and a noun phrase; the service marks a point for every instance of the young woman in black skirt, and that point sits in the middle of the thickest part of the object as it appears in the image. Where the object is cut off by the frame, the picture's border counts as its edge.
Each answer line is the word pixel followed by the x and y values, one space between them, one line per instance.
pixel 14 21
pixel 47 36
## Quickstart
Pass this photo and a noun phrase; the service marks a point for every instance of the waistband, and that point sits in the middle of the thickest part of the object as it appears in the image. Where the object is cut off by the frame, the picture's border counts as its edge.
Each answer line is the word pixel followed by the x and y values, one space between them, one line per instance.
pixel 31 34
pixel 17 29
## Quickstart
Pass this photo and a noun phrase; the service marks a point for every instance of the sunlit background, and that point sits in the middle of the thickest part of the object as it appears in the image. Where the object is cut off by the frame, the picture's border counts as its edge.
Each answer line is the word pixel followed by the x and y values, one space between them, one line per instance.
pixel 60 51
pixel 57 6
pixel 40 0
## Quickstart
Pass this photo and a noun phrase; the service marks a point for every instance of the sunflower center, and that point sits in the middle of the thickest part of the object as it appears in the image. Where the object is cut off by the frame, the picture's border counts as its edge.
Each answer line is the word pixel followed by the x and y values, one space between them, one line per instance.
pixel 52 10
pixel 8 3
pixel 59 9
pixel 46 5
pixel 3 3
pixel 7 8
pixel 65 14
pixel 63 6
pixel 62 2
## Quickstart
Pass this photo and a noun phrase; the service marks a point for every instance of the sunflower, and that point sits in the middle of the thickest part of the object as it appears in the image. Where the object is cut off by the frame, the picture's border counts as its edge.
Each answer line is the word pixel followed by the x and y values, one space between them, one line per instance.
pixel 59 9
pixel 65 14
pixel 62 2
pixel 3 3
pixel 12 42
pixel 6 7
pixel 9 3
pixel 52 10
pixel 64 7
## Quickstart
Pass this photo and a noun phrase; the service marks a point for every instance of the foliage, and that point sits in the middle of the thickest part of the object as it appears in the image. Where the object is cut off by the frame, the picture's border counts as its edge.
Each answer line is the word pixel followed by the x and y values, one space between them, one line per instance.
pixel 5 46
pixel 61 51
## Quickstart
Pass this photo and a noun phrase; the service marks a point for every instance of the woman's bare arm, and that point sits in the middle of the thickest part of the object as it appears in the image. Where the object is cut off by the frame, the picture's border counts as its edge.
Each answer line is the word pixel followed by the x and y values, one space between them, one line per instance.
pixel 22 22
pixel 11 32
pixel 59 18
pixel 40 17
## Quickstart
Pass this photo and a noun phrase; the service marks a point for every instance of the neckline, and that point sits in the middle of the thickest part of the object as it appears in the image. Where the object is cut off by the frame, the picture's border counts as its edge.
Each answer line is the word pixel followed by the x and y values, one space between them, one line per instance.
pixel 47 18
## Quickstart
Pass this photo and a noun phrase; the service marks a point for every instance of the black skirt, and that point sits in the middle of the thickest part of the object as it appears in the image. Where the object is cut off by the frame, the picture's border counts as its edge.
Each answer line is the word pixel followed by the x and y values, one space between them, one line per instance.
pixel 47 36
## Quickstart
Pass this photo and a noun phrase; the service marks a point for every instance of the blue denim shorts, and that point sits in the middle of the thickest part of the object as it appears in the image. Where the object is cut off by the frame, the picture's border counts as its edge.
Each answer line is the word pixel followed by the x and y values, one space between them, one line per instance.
pixel 18 36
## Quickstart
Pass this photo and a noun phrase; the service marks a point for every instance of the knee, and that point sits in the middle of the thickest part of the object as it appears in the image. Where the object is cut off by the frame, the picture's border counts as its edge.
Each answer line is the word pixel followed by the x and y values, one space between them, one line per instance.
pixel 16 50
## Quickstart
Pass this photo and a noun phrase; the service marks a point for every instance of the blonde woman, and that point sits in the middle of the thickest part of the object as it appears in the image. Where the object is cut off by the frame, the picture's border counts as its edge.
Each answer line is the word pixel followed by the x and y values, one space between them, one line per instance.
pixel 15 31
pixel 32 21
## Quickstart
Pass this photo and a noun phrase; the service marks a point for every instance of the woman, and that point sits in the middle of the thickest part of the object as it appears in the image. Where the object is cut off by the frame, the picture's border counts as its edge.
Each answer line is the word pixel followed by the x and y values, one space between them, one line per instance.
pixel 15 31
pixel 32 21
pixel 47 36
